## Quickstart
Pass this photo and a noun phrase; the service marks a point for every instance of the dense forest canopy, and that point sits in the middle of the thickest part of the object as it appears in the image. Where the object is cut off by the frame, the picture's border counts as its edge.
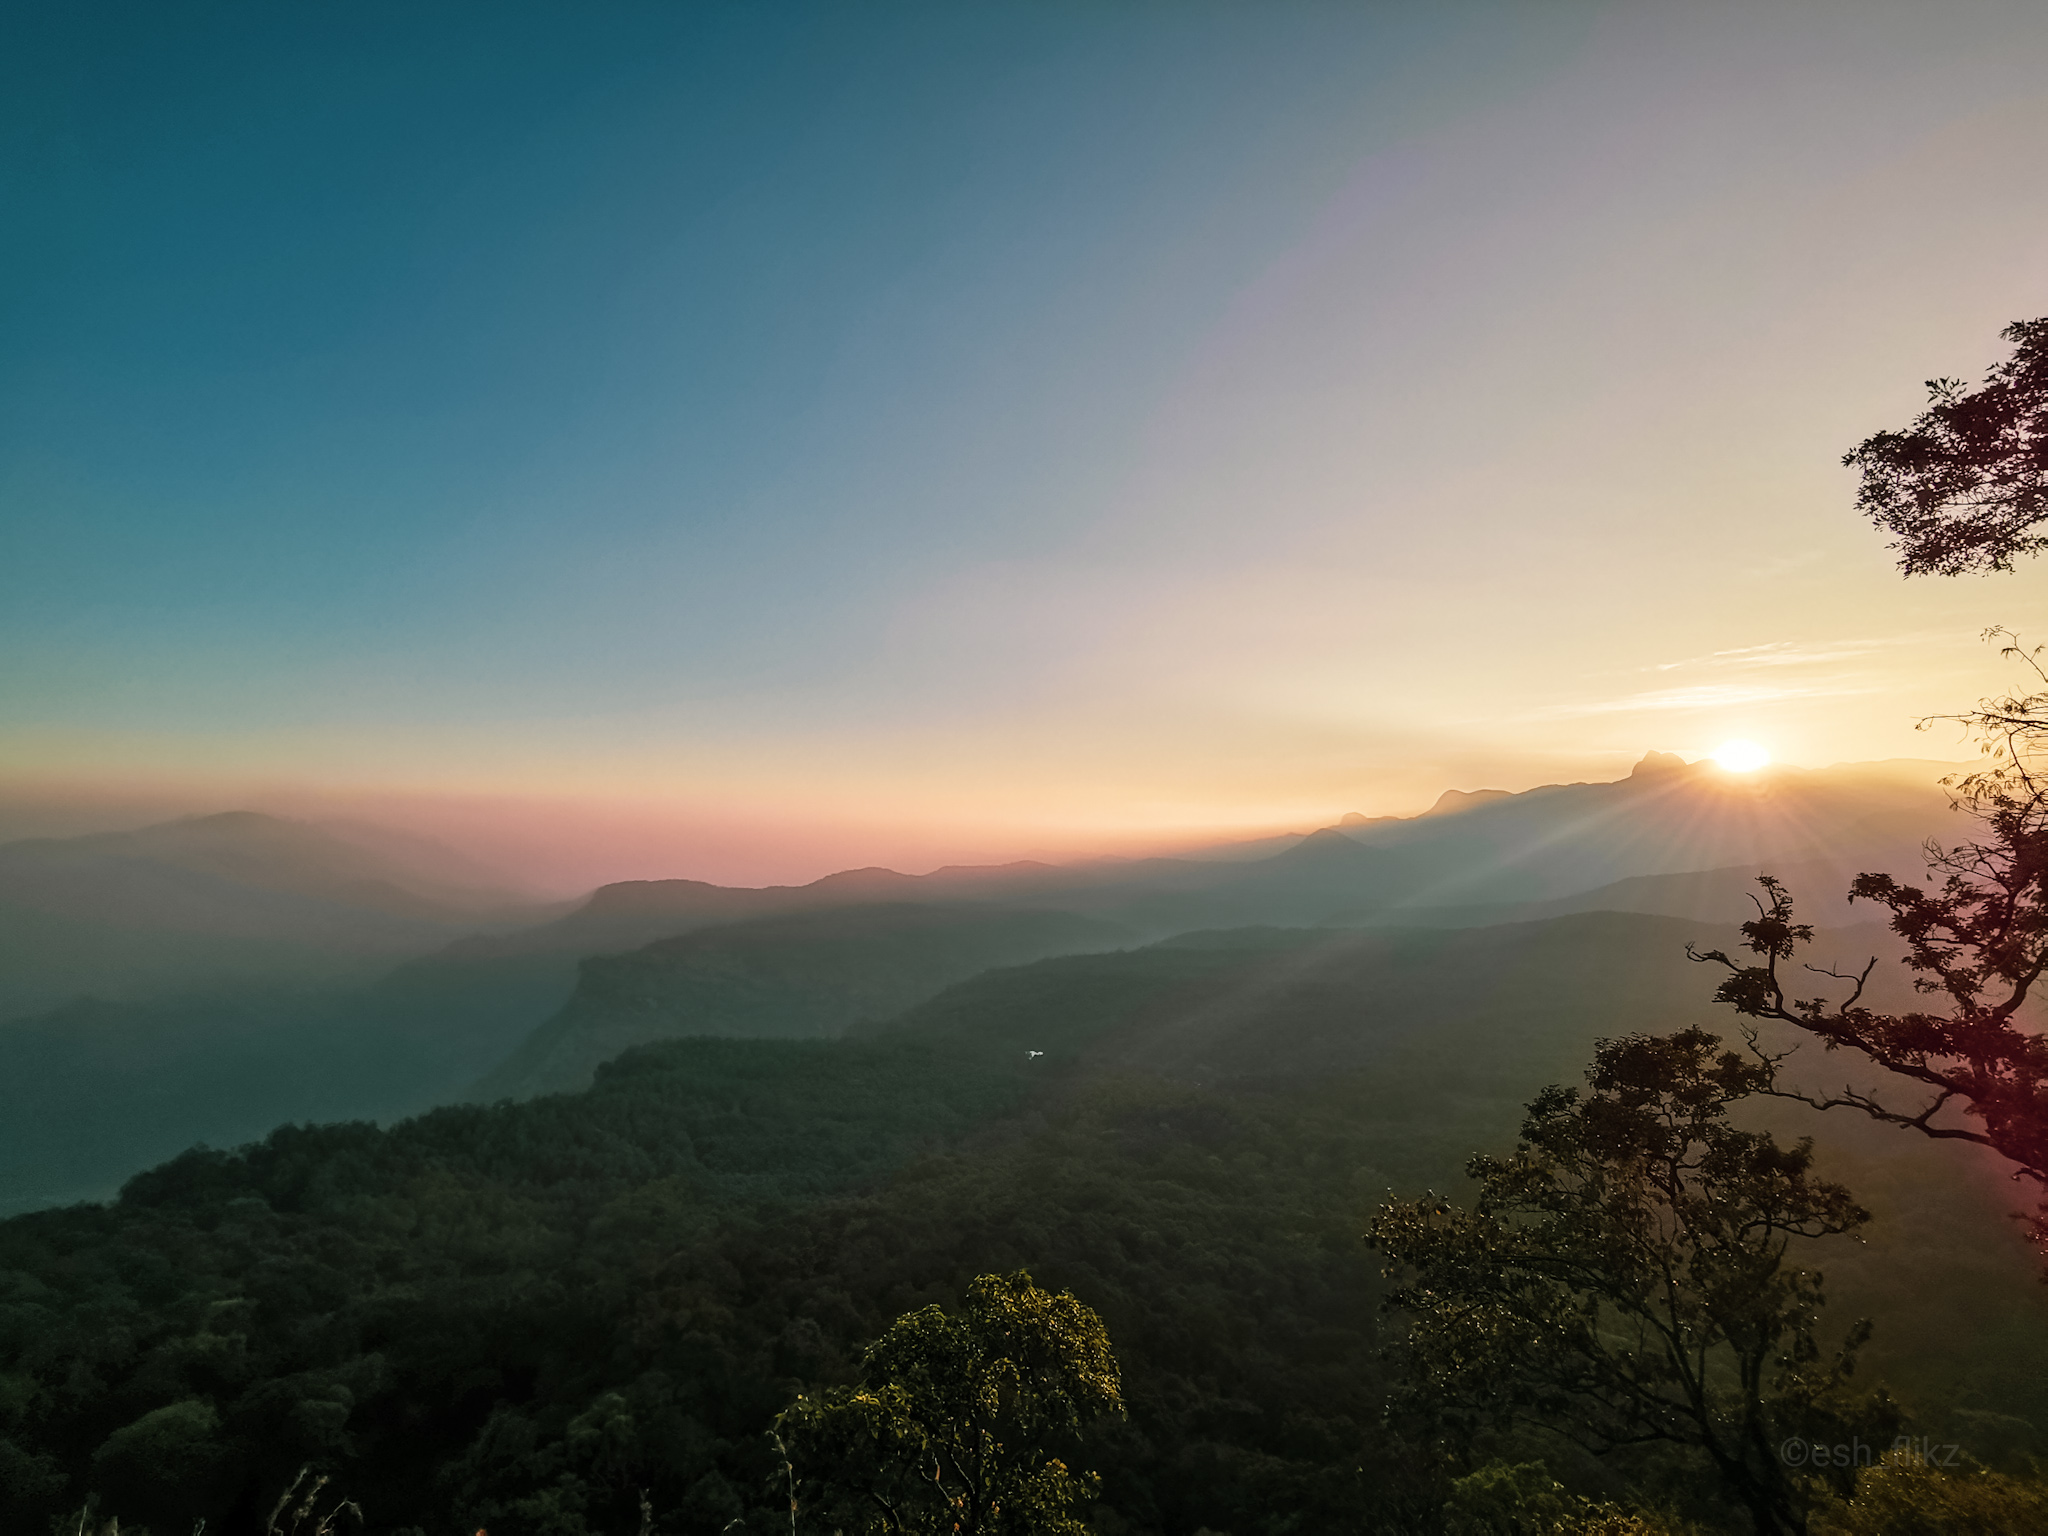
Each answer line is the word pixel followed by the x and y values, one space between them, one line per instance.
pixel 522 1316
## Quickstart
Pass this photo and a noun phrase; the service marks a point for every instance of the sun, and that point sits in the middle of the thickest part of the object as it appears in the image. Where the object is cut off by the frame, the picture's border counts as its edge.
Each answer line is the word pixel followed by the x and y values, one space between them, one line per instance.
pixel 1741 756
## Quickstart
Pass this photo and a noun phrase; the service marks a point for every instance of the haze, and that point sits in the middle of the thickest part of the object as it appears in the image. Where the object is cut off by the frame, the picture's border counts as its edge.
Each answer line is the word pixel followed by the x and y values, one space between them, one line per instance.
pixel 748 441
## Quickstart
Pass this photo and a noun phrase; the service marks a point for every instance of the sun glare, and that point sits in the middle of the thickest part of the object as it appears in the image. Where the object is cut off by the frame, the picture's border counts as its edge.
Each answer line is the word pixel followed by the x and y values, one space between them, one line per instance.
pixel 1741 756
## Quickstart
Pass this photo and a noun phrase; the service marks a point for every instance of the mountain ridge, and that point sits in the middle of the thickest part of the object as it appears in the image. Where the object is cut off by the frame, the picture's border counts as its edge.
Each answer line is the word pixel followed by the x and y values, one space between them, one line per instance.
pixel 791 975
pixel 175 904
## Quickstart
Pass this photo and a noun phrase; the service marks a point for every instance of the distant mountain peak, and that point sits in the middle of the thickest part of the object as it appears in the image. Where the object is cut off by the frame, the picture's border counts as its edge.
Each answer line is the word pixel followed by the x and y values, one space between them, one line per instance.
pixel 1658 762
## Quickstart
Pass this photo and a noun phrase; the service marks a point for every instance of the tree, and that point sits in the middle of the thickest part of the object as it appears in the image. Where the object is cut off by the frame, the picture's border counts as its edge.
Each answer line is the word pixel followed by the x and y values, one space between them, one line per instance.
pixel 1963 488
pixel 163 1466
pixel 1624 1278
pixel 1966 485
pixel 1524 1500
pixel 1977 937
pixel 957 1420
pixel 1904 1495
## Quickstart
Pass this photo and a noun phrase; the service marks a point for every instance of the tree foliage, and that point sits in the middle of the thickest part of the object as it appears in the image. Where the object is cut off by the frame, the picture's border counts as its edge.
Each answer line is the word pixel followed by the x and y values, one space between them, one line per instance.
pixel 1904 1495
pixel 957 1422
pixel 526 1317
pixel 519 1317
pixel 1965 487
pixel 1624 1278
pixel 1976 936
pixel 1523 1499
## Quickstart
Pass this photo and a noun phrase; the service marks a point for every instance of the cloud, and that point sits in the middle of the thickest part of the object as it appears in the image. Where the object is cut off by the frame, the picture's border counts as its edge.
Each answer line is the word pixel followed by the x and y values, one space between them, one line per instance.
pixel 1795 653
pixel 1756 674
pixel 1699 696
pixel 1781 653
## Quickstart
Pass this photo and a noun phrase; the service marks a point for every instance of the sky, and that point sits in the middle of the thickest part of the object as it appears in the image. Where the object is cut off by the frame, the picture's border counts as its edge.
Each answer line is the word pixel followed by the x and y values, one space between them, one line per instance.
pixel 747 440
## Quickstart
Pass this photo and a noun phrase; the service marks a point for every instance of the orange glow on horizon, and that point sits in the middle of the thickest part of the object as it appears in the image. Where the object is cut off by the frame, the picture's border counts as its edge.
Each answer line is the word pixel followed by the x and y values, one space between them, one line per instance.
pixel 563 840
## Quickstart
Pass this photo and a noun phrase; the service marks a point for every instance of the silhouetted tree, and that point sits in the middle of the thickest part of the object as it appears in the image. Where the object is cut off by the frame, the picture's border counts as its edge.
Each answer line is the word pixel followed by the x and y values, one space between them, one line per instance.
pixel 1963 488
pixel 1966 485
pixel 1976 934
pixel 957 1419
pixel 1624 1277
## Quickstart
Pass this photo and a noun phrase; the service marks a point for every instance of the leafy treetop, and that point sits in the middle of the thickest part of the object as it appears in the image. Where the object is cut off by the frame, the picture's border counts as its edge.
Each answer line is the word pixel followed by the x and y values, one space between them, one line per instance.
pixel 1965 487
pixel 956 1421
pixel 1624 1278
pixel 1976 936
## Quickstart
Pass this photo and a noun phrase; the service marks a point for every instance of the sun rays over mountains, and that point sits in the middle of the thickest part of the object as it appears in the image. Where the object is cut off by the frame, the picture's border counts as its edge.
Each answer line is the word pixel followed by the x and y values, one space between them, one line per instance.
pixel 203 979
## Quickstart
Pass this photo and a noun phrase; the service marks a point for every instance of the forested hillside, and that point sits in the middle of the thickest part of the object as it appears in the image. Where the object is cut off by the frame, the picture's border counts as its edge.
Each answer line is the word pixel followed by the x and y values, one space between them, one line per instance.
pixel 805 974
pixel 518 1317
pixel 203 980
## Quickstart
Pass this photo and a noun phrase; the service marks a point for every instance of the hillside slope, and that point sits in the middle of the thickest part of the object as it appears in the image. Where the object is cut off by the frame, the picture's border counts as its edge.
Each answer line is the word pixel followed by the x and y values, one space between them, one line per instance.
pixel 232 962
pixel 489 1315
pixel 1301 1003
pixel 793 976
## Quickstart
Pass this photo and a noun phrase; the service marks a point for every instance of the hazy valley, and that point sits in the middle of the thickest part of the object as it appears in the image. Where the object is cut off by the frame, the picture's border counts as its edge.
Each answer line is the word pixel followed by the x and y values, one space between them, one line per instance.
pixel 699 1141
pixel 222 975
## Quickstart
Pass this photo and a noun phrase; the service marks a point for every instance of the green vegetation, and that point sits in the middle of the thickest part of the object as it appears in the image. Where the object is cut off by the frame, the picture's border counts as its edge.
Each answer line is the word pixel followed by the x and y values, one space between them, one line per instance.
pixel 93 1091
pixel 1905 1495
pixel 519 1317
pixel 523 1317
pixel 1623 1279
pixel 957 1421
pixel 1523 1499
pixel 804 974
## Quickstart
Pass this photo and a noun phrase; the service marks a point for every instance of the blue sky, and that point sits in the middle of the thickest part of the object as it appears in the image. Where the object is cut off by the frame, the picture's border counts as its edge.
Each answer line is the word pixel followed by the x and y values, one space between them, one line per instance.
pixel 1170 415
pixel 611 340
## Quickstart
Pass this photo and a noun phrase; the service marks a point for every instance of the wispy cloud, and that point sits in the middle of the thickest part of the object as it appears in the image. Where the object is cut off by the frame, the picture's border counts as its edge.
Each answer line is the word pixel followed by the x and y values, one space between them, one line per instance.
pixel 1796 653
pixel 1782 653
pixel 1700 696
